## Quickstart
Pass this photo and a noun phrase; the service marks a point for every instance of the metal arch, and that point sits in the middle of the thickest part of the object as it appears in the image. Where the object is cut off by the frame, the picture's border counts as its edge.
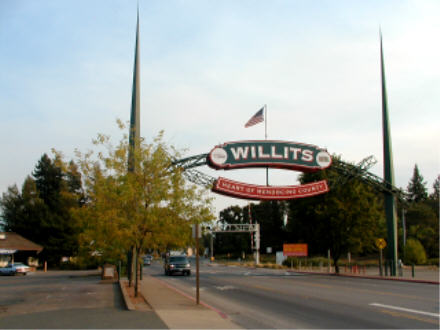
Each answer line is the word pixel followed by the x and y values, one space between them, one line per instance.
pixel 360 171
pixel 198 177
pixel 191 162
pixel 346 170
pixel 233 228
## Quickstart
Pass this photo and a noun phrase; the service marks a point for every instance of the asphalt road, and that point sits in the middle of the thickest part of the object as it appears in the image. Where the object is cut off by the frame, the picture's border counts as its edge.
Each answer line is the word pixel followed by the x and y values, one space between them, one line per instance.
pixel 67 300
pixel 263 298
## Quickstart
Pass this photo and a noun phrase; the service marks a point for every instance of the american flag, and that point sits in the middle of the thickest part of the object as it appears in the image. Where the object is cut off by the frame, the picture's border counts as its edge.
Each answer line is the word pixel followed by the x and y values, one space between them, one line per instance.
pixel 257 118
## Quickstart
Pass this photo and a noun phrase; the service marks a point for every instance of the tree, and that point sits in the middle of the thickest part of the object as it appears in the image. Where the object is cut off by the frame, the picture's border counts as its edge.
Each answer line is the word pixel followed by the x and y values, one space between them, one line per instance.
pixel 234 243
pixel 436 187
pixel 41 211
pixel 150 207
pixel 48 179
pixel 417 187
pixel 346 219
pixel 422 214
pixel 434 200
pixel 414 252
pixel 270 214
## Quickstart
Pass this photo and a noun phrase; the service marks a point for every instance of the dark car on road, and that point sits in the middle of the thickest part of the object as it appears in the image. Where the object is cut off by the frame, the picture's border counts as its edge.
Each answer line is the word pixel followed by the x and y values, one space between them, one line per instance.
pixel 177 264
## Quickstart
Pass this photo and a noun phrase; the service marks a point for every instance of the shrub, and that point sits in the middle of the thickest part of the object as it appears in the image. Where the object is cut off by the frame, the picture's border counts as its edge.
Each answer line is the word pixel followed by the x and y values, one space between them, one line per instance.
pixel 414 252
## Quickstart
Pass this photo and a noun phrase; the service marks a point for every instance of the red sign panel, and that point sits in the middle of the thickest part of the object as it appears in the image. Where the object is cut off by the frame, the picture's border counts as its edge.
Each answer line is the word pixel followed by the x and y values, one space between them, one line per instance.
pixel 295 250
pixel 248 191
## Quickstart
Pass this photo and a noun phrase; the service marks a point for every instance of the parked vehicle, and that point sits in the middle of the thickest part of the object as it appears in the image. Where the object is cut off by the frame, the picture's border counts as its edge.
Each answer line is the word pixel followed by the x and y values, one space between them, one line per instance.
pixel 177 264
pixel 15 268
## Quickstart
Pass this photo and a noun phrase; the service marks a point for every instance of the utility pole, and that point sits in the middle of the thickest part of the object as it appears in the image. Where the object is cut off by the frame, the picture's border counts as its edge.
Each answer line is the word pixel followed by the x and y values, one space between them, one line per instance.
pixel 257 244
pixel 197 265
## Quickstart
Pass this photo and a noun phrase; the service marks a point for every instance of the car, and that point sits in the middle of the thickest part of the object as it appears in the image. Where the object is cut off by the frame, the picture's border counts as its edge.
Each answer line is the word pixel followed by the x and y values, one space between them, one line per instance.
pixel 147 260
pixel 177 264
pixel 15 268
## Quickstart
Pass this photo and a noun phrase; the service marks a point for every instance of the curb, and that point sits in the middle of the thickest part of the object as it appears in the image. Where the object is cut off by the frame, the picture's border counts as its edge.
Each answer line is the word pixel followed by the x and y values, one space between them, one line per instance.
pixel 128 304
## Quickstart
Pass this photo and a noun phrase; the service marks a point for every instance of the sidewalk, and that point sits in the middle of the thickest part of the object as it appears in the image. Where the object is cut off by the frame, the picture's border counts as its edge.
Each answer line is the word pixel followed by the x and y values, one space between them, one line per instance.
pixel 180 311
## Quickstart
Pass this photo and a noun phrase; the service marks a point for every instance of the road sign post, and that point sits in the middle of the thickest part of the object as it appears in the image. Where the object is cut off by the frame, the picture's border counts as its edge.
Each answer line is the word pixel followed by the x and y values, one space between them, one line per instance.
pixel 381 244
pixel 196 233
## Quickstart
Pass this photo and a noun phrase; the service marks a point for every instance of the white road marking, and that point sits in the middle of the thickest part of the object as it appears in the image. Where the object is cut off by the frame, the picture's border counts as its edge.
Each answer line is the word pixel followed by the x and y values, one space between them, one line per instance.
pixel 405 310
pixel 225 287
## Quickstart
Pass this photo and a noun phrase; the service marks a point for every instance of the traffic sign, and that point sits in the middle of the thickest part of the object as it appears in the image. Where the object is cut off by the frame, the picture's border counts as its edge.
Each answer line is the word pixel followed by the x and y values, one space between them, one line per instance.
pixel 381 243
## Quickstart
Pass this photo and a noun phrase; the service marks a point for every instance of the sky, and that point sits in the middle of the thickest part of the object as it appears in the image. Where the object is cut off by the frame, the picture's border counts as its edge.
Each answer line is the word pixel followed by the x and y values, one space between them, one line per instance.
pixel 208 66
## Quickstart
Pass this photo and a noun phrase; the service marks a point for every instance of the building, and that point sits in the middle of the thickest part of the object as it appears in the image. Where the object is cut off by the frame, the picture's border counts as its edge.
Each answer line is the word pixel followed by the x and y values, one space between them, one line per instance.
pixel 16 248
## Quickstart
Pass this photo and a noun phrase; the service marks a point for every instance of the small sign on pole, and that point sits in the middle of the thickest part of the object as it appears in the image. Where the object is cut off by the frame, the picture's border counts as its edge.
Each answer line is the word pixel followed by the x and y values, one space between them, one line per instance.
pixel 381 244
pixel 196 230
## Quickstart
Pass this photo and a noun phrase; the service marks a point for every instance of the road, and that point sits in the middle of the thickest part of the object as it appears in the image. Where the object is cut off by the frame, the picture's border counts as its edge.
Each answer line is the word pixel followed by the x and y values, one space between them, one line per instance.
pixel 264 298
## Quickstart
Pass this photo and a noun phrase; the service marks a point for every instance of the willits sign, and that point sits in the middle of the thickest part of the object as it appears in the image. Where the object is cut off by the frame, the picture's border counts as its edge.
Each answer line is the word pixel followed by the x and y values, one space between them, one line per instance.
pixel 277 154
pixel 249 191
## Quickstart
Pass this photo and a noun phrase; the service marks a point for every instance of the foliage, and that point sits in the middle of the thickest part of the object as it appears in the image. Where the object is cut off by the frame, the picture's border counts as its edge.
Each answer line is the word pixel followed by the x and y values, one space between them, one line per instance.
pixel 151 207
pixel 233 243
pixel 422 216
pixel 414 252
pixel 423 225
pixel 417 187
pixel 41 211
pixel 270 216
pixel 346 219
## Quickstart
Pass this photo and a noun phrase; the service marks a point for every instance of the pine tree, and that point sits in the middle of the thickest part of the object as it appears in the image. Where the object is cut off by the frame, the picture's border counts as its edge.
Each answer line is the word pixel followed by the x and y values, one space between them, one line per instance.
pixel 436 186
pixel 417 187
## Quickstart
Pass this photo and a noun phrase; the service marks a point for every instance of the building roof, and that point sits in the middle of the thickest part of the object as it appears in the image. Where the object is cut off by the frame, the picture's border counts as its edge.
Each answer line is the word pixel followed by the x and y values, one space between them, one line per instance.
pixel 13 241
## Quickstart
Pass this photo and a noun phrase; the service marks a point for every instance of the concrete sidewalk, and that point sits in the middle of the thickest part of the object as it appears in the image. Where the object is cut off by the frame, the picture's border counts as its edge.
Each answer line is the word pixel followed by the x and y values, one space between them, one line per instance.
pixel 180 311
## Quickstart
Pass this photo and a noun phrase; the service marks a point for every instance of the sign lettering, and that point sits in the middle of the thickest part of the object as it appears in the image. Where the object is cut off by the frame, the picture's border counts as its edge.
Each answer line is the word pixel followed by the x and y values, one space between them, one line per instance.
pixel 248 191
pixel 264 153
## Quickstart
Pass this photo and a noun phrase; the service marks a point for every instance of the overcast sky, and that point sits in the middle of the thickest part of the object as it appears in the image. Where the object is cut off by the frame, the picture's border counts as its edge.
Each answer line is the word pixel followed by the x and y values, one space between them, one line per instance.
pixel 208 66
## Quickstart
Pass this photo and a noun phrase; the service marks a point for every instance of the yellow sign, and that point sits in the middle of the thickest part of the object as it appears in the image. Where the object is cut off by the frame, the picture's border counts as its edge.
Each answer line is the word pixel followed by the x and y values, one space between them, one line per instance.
pixel 381 243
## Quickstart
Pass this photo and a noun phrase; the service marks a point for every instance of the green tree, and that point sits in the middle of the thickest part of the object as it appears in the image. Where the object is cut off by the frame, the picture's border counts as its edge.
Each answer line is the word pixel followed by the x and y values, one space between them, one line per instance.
pixel 414 252
pixel 233 243
pixel 48 179
pixel 270 216
pixel 422 214
pixel 417 187
pixel 346 219
pixel 41 211
pixel 151 207
pixel 423 225
pixel 434 200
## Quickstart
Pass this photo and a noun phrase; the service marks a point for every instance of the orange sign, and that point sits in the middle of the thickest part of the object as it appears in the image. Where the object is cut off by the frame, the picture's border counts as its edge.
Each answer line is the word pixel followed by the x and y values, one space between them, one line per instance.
pixel 295 250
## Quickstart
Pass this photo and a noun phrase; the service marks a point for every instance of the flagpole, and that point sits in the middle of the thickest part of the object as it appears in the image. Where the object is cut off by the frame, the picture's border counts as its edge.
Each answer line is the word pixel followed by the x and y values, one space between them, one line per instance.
pixel 265 137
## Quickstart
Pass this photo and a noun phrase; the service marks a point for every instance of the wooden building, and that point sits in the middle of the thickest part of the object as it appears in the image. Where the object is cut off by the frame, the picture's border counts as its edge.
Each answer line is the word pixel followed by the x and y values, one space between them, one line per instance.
pixel 16 248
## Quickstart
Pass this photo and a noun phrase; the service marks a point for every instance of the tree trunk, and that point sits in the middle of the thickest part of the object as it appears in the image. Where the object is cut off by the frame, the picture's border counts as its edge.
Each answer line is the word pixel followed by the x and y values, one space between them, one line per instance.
pixel 138 272
pixel 335 261
pixel 131 265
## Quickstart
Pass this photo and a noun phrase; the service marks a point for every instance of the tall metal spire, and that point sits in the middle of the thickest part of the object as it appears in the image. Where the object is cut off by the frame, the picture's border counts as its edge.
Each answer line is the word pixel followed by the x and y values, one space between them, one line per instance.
pixel 134 136
pixel 388 174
